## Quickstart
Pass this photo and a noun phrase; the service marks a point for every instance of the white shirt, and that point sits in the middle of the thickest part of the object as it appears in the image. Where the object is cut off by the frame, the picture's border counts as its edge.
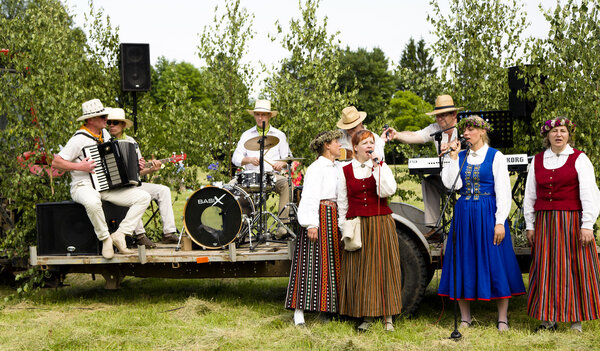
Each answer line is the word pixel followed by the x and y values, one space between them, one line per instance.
pixel 277 152
pixel 426 132
pixel 501 179
pixel 385 183
pixel 73 152
pixel 588 189
pixel 320 183
pixel 346 142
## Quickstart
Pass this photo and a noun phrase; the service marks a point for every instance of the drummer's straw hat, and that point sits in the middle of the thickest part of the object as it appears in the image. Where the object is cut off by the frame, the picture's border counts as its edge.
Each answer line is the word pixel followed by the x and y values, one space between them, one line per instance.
pixel 263 106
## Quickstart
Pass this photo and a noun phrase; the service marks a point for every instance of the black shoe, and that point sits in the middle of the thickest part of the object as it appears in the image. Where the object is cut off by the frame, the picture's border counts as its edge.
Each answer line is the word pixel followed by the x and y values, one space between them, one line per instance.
pixel 543 327
pixel 434 235
pixel 170 238
pixel 142 239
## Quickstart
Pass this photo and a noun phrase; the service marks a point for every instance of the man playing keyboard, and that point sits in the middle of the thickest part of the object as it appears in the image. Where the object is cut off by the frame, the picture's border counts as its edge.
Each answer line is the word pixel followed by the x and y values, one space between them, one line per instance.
pixel 446 117
pixel 71 158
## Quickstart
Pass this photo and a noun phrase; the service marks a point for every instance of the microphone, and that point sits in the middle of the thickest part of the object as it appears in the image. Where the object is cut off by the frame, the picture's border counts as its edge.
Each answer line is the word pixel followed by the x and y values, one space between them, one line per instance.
pixel 464 144
pixel 441 131
pixel 387 134
pixel 376 160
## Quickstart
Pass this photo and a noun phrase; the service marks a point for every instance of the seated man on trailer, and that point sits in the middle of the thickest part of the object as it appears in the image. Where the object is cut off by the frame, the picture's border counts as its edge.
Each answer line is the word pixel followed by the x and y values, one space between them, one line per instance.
pixel 117 123
pixel 445 117
pixel 251 159
pixel 71 158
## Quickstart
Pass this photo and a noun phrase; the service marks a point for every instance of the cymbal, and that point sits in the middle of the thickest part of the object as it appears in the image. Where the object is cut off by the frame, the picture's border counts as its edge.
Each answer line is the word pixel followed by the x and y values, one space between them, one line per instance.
pixel 290 159
pixel 253 144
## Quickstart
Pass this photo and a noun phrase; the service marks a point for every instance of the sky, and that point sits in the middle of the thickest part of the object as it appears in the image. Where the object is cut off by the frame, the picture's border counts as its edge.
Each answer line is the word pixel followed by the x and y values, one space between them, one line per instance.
pixel 172 27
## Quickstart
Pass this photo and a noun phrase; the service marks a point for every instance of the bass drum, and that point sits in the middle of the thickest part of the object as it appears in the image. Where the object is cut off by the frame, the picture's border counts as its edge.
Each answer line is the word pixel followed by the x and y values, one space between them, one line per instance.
pixel 213 216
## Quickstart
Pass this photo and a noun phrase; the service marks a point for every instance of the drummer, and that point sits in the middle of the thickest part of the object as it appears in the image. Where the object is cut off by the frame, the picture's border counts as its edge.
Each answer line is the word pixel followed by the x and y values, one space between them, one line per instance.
pixel 249 159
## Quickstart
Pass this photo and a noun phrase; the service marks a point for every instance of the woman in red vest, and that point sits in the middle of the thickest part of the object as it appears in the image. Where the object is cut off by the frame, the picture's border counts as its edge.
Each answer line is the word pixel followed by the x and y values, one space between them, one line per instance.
pixel 561 206
pixel 370 283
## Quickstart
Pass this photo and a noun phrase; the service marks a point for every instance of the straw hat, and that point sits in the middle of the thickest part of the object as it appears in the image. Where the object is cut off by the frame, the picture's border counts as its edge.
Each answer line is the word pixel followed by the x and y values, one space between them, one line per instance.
pixel 92 108
pixel 118 114
pixel 262 106
pixel 443 103
pixel 351 117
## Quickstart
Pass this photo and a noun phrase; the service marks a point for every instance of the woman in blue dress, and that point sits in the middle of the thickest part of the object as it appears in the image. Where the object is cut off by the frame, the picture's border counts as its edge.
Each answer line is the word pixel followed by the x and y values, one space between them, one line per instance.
pixel 486 265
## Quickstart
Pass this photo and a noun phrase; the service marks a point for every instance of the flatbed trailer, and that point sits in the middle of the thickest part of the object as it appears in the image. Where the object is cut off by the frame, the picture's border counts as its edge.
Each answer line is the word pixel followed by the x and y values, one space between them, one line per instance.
pixel 419 260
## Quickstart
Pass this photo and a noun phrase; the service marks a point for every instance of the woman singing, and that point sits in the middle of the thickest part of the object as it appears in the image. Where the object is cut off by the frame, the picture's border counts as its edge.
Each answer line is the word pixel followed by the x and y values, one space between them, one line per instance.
pixel 561 206
pixel 370 283
pixel 486 265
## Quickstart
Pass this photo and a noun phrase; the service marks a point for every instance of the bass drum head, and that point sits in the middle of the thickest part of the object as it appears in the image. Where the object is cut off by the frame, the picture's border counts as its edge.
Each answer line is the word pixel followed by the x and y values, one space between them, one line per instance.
pixel 213 217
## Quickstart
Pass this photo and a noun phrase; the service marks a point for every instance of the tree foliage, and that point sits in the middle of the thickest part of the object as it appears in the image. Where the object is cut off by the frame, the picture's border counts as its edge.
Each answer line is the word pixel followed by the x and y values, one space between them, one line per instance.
pixel 476 41
pixel 305 89
pixel 52 68
pixel 416 71
pixel 223 46
pixel 368 72
pixel 568 61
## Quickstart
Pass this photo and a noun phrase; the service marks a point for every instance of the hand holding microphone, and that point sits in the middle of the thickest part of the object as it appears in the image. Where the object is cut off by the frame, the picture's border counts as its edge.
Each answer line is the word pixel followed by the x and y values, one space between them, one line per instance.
pixel 375 159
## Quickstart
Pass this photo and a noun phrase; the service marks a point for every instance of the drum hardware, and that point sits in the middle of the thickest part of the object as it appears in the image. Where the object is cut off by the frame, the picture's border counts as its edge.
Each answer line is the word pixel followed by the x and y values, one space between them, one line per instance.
pixel 261 141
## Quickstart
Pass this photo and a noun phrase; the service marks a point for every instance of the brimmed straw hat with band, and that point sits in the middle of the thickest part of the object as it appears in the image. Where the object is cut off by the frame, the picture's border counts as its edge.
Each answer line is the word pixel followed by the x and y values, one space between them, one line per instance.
pixel 443 104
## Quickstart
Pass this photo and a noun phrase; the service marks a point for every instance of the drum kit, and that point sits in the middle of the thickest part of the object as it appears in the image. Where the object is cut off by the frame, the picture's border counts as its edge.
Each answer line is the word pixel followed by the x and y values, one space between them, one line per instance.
pixel 222 214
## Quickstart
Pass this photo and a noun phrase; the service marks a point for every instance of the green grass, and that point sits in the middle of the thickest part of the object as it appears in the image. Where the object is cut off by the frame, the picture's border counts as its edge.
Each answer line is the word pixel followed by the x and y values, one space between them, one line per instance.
pixel 244 314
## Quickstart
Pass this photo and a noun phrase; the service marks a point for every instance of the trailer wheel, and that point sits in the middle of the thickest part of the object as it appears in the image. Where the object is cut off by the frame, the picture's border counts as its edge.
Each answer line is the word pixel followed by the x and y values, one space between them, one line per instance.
pixel 414 273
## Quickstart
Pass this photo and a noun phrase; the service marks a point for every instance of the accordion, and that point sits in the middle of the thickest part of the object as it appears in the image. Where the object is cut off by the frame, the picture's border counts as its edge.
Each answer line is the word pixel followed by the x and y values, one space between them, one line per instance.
pixel 116 164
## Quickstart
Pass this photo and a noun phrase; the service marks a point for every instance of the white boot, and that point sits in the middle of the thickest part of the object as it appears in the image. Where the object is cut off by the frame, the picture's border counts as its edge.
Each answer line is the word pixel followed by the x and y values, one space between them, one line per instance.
pixel 107 248
pixel 118 239
pixel 298 316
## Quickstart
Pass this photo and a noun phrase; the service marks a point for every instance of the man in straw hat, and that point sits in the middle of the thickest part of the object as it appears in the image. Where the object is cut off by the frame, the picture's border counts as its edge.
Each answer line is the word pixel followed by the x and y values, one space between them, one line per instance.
pixel 250 159
pixel 71 158
pixel 117 123
pixel 445 114
pixel 350 123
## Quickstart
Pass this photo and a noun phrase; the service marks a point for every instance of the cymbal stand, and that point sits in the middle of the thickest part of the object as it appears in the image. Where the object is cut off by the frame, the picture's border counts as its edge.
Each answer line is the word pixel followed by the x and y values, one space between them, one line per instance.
pixel 262 203
pixel 293 208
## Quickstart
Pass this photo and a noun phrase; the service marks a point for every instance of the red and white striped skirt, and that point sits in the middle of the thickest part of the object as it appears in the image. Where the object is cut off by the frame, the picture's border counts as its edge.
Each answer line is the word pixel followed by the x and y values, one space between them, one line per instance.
pixel 564 278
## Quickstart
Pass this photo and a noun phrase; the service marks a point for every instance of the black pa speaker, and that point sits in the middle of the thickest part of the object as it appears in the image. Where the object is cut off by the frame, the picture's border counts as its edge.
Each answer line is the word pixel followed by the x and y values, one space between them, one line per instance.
pixel 64 228
pixel 135 67
pixel 521 107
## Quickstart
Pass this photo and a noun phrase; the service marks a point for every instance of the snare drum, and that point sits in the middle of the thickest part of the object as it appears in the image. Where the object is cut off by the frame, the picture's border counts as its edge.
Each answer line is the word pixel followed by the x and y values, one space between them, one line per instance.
pixel 250 181
pixel 214 216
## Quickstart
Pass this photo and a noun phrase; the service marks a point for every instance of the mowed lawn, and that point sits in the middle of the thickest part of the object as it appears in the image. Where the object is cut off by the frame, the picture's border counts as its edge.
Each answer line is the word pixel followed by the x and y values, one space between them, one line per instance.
pixel 245 314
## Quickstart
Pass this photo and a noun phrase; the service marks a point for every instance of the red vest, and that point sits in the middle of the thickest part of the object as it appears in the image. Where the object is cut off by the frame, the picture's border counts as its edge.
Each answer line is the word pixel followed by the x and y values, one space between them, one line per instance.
pixel 362 196
pixel 557 189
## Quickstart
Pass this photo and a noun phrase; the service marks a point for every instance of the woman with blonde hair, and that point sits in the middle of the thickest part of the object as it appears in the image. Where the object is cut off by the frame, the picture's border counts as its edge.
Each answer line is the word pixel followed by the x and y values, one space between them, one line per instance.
pixel 486 265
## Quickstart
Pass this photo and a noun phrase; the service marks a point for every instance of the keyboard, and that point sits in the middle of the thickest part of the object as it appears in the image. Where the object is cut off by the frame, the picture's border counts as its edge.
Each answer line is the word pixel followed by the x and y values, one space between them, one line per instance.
pixel 431 165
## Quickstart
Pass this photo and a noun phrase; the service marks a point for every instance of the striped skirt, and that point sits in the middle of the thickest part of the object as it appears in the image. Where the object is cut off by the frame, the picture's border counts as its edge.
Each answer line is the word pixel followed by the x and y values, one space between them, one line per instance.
pixel 313 284
pixel 564 274
pixel 370 284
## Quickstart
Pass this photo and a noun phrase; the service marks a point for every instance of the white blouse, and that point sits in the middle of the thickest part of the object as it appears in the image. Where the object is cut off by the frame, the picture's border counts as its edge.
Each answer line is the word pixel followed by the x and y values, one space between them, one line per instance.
pixel 384 181
pixel 320 183
pixel 501 179
pixel 588 189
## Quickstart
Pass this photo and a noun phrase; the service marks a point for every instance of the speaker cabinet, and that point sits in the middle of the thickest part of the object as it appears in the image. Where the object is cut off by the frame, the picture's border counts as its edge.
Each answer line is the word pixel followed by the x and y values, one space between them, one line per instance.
pixel 64 228
pixel 135 67
pixel 521 107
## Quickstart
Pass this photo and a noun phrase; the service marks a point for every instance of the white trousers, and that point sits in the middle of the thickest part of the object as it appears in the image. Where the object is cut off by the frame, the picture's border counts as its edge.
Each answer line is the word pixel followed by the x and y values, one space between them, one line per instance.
pixel 136 199
pixel 162 194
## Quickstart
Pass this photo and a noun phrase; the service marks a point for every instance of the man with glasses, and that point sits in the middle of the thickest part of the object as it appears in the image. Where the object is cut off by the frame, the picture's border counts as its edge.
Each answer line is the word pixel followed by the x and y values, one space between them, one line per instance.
pixel 117 123
pixel 71 158
pixel 445 118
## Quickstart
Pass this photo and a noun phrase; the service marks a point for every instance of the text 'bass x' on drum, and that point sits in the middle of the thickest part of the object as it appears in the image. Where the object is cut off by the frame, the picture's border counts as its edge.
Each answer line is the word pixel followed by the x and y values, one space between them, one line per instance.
pixel 213 216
